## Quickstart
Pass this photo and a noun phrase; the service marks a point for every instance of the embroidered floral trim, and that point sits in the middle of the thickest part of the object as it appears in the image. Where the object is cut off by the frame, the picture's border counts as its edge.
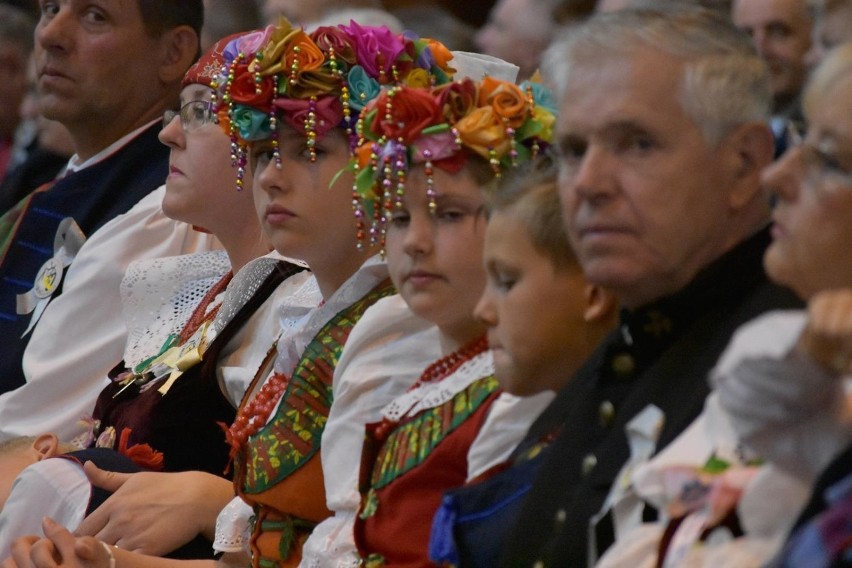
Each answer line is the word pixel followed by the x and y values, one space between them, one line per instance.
pixel 412 442
pixel 292 437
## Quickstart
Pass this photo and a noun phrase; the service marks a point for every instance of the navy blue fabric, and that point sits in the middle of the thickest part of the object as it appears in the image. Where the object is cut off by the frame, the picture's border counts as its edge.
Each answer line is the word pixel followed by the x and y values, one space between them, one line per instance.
pixel 92 197
pixel 474 520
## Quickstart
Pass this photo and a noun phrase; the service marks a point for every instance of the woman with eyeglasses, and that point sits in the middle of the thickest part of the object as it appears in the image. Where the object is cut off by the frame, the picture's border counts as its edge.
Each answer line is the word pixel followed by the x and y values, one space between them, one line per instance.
pixel 786 383
pixel 729 490
pixel 199 325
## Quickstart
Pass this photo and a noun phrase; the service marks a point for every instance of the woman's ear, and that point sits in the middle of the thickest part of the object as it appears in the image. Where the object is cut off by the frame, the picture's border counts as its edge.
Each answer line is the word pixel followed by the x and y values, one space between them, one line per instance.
pixel 46 446
pixel 601 304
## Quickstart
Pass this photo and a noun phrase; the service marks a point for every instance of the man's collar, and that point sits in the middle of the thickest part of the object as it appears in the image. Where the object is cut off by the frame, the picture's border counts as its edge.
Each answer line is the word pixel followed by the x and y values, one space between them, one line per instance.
pixel 74 164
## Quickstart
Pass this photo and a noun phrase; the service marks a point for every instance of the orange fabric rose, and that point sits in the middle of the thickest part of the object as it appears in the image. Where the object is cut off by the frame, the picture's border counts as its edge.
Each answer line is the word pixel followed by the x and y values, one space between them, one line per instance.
pixel 506 98
pixel 482 130
pixel 441 54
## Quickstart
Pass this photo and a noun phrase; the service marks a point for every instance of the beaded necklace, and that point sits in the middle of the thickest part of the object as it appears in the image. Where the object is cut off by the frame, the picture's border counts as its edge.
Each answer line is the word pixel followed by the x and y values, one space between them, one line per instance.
pixel 436 372
pixel 252 416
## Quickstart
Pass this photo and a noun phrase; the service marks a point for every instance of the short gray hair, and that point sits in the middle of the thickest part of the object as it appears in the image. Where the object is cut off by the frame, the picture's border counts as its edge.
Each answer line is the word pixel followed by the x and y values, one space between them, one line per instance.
pixel 725 82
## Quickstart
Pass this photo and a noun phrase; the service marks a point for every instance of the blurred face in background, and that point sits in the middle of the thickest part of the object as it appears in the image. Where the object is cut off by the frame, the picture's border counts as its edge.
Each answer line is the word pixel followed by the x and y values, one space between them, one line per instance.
pixel 13 85
pixel 832 26
pixel 516 31
pixel 781 31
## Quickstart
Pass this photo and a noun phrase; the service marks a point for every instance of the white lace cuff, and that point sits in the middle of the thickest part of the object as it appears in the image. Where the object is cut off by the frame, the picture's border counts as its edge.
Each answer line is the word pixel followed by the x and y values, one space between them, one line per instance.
pixel 233 527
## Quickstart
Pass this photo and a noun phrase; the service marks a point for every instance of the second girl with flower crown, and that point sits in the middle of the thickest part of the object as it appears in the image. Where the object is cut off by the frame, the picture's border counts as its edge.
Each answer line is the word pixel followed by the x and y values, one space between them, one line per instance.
pixel 439 419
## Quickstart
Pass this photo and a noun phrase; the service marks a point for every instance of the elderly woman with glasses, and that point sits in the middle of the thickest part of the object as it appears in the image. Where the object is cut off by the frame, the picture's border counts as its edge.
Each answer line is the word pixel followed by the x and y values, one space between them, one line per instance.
pixel 786 380
pixel 730 489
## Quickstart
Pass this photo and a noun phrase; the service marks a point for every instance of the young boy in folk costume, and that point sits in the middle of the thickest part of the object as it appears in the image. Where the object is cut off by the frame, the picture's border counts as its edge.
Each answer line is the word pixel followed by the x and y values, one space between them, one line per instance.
pixel 544 320
pixel 290 103
pixel 426 154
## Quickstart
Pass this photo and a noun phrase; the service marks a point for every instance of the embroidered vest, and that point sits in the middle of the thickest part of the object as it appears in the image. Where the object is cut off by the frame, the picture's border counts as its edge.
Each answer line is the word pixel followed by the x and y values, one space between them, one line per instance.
pixel 278 471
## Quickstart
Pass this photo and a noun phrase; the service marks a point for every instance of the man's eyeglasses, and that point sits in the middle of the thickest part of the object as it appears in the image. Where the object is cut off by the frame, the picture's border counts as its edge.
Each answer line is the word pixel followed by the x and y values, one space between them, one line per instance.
pixel 193 115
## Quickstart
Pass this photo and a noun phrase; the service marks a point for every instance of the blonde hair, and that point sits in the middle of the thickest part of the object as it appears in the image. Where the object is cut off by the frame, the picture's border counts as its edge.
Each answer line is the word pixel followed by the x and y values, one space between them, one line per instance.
pixel 836 67
pixel 16 444
pixel 530 195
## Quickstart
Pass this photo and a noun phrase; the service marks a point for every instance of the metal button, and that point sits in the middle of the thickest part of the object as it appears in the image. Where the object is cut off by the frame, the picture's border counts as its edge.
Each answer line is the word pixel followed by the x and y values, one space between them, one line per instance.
pixel 623 365
pixel 589 463
pixel 606 413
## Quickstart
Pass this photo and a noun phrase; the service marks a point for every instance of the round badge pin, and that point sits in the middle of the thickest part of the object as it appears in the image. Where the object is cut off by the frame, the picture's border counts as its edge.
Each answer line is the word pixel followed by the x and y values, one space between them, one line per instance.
pixel 48 278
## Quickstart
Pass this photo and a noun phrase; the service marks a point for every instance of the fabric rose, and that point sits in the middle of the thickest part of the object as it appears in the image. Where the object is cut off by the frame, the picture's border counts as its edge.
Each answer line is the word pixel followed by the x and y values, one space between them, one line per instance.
pixel 311 84
pixel 418 78
pixel 251 124
pixel 419 50
pixel 456 99
pixel 539 125
pixel 273 44
pixel 330 38
pixel 441 55
pixel 295 54
pixel 376 49
pixel 439 145
pixel 507 100
pixel 409 112
pixel 328 112
pixel 483 131
pixel 246 44
pixel 244 89
pixel 362 88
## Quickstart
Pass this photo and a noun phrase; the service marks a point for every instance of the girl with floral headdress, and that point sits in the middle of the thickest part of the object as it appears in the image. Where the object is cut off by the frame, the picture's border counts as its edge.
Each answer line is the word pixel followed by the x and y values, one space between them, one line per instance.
pixel 425 396
pixel 289 101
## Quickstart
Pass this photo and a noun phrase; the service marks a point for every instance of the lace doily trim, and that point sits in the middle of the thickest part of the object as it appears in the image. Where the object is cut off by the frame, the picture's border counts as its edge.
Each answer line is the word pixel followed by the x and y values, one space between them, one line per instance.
pixel 159 295
pixel 431 395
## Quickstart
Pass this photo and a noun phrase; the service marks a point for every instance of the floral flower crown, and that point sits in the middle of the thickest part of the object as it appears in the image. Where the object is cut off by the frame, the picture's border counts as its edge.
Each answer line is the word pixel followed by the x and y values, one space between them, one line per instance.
pixel 442 126
pixel 316 81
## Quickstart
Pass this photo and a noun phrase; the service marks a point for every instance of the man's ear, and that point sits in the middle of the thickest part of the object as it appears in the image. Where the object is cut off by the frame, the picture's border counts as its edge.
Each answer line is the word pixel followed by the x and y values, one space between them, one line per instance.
pixel 46 446
pixel 600 304
pixel 752 147
pixel 179 47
